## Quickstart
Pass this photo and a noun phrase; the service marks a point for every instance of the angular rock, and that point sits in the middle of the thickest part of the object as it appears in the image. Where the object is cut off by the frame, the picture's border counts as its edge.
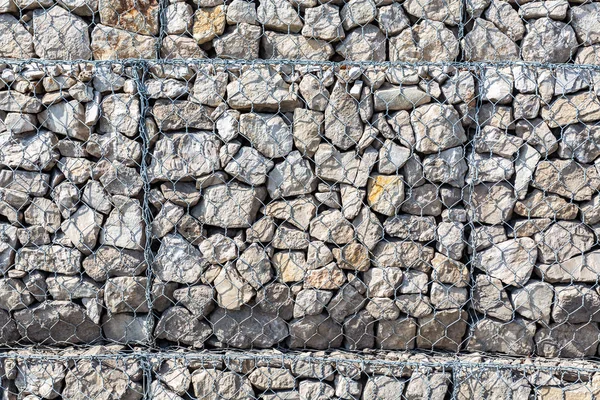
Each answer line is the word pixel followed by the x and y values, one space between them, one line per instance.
pixel 178 325
pixel 490 298
pixel 315 331
pixel 565 340
pixel 290 47
pixel 239 42
pixel 178 261
pixel 279 15
pixel 426 41
pixel 16 40
pixel 365 43
pixel 209 23
pixel 548 41
pixel 492 203
pixel 443 329
pixel 396 335
pixel 330 226
pixel 513 338
pixel 511 261
pixel 248 327
pixel 446 12
pixel 504 49
pixel 110 43
pixel 139 17
pixel 60 35
pixel 323 22
pixel 109 261
pixel 436 128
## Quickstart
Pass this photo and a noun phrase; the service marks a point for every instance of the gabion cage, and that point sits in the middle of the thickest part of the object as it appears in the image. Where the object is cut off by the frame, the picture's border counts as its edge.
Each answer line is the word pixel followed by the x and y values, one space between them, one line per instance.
pixel 295 199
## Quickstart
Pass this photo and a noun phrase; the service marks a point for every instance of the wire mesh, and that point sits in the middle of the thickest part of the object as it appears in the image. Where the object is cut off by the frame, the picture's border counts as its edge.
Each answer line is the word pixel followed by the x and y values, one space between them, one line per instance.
pixel 289 199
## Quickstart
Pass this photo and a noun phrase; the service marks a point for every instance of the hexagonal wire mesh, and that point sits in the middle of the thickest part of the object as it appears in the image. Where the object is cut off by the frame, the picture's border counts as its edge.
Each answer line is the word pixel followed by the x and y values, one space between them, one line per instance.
pixel 375 193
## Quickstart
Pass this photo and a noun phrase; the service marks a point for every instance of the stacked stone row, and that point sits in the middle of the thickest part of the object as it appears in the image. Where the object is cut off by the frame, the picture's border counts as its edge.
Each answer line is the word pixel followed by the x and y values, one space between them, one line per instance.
pixel 98 370
pixel 389 208
pixel 71 223
pixel 555 31
pixel 376 208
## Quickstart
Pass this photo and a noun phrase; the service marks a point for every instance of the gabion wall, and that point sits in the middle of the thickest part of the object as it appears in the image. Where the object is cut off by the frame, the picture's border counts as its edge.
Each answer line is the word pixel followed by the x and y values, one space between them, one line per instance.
pixel 187 184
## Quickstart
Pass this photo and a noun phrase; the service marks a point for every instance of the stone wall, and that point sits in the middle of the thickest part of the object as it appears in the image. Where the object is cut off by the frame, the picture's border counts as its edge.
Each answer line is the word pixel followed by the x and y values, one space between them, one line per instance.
pixel 308 207
pixel 555 31
pixel 240 200
pixel 101 372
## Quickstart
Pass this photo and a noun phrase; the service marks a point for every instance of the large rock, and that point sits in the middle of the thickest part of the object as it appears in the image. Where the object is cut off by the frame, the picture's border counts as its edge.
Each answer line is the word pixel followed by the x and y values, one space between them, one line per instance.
pixel 448 166
pixel 567 178
pixel 60 35
pixel 500 48
pixel 426 41
pixel 124 226
pixel 136 16
pixel 110 43
pixel 32 152
pixel 563 240
pixel 385 193
pixel 49 258
pixel 534 301
pixel 513 338
pixel 66 118
pixel 119 112
pixel 548 41
pixel 56 322
pixel 261 89
pixel 239 42
pixel 390 98
pixel 491 203
pixel 15 39
pixel 232 290
pixel 316 332
pixel 323 22
pixel 447 12
pixel 44 379
pixel 100 380
pixel 127 328
pixel 183 155
pixel 575 304
pixel 366 43
pixel 268 133
pixel 209 23
pixel 437 127
pixel 290 47
pixel 173 115
pixel 229 205
pixel 583 268
pixel 584 21
pixel 82 228
pixel 572 109
pixel 343 125
pixel 490 298
pixel 511 261
pixel 569 341
pixel 178 325
pixel 506 19
pixel 443 330
pixel 109 261
pixel 178 261
pixel 279 15
pixel 540 205
pixel 247 328
pixel 126 294
pixel 402 254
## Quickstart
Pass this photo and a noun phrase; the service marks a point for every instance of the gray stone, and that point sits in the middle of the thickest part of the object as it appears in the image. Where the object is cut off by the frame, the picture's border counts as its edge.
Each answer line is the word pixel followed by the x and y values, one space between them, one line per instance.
pixel 311 302
pixel 583 21
pixel 109 261
pixel 423 200
pixel 490 298
pixel 56 322
pixel 14 295
pixel 209 87
pixel 119 112
pixel 563 240
pixel 503 49
pixel 346 302
pixel 127 328
pixel 539 205
pixel 492 204
pixel 279 15
pixel 575 304
pixel 49 258
pixel 229 206
pixel 443 329
pixel 511 261
pixel 411 227
pixel 307 130
pixel 342 122
pixel 385 193
pixel 446 12
pixel 247 328
pixel 555 9
pixel 63 287
pixel 506 19
pixel 126 295
pixel 396 335
pixel 239 11
pixel 566 340
pixel 293 176
pixel 365 43
pixel 17 41
pixel 534 301
pixel 288 46
pixel 389 98
pixel 330 226
pixel 448 166
pixel 548 41
pixel 178 261
pixel 178 325
pixel 82 228
pixel 197 299
pixel 428 40
pixel 513 338
pixel 254 266
pixel 432 137
pixel 239 42
pixel 315 331
pixel 268 133
pixel 232 290
pixel 32 152
pixel 323 22
pixel 124 226
pixel 171 115
pixel 51 28
pixel 489 168
pixel 450 239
